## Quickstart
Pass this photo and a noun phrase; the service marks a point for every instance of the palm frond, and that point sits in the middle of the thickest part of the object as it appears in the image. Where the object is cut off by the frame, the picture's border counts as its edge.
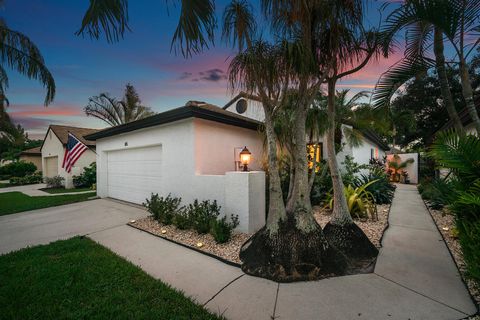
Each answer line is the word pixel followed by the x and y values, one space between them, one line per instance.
pixel 105 16
pixel 195 29
pixel 395 76
pixel 459 153
pixel 239 25
pixel 22 55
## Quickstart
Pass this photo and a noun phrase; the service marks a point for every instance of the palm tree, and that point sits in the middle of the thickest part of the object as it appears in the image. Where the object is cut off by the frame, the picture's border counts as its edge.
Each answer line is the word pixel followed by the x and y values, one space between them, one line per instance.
pixel 116 112
pixel 454 19
pixel 397 166
pixel 292 245
pixel 19 53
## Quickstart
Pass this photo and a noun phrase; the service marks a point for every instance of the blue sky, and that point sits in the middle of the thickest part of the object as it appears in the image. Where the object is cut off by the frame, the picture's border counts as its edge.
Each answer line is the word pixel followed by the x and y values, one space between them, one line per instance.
pixel 83 67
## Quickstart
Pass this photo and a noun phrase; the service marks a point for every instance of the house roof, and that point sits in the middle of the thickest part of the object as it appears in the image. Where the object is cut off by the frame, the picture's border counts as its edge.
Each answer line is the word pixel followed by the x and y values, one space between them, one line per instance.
pixel 244 95
pixel 464 117
pixel 192 109
pixel 32 152
pixel 62 134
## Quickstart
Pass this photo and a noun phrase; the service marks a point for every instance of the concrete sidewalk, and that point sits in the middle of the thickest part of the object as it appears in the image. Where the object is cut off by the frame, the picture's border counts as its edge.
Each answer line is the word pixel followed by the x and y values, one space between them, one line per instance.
pixel 415 277
pixel 42 226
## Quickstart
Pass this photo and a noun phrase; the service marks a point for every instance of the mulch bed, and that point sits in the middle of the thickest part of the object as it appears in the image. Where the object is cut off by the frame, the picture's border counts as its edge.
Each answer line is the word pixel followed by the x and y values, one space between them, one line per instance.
pixel 446 224
pixel 230 251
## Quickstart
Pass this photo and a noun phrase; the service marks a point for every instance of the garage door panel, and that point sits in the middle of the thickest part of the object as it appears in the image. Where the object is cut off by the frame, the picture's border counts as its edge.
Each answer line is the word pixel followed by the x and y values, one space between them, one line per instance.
pixel 133 174
pixel 141 168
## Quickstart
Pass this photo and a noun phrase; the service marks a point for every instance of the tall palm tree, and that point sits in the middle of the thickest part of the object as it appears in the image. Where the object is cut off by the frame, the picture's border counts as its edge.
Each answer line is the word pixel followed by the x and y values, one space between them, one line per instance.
pixel 115 112
pixel 292 245
pixel 454 19
pixel 19 53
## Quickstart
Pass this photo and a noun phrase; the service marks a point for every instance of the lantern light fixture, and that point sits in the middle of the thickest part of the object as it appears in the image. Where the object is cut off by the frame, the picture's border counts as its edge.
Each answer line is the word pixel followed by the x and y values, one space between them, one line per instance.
pixel 245 157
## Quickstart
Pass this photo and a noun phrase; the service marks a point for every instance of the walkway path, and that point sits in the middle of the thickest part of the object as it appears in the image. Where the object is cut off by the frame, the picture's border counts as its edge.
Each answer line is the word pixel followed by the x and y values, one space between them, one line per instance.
pixel 415 277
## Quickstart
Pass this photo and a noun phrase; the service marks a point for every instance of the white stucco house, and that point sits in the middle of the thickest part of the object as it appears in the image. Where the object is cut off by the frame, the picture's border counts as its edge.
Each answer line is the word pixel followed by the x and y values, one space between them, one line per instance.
pixel 371 144
pixel 53 151
pixel 192 152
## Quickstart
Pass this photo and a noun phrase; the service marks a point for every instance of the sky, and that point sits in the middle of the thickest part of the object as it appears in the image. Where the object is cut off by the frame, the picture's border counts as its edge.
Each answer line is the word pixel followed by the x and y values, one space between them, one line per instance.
pixel 83 67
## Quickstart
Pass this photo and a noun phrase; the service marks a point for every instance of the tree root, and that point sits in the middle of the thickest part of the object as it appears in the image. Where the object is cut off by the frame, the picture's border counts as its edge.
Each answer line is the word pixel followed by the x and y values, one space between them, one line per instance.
pixel 291 254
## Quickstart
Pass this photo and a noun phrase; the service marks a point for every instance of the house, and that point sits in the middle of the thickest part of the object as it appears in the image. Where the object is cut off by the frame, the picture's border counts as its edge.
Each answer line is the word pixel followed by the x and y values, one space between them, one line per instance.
pixel 33 155
pixel 53 151
pixel 190 152
pixel 371 145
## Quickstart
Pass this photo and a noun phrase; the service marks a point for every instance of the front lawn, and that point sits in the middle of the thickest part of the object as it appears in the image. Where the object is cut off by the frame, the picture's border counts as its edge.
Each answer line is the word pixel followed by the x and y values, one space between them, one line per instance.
pixel 4 185
pixel 12 202
pixel 63 190
pixel 79 279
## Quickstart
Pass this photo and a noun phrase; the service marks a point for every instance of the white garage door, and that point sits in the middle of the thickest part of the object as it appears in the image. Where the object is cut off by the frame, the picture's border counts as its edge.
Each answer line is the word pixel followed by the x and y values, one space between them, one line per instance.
pixel 133 174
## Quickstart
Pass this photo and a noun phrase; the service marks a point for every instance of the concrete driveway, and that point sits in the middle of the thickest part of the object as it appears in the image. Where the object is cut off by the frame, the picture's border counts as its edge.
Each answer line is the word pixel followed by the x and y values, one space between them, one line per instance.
pixel 46 225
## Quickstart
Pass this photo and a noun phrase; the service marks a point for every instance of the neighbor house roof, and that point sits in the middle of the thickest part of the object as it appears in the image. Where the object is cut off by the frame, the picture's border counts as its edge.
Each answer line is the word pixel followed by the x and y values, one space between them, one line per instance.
pixel 374 137
pixel 32 152
pixel 62 134
pixel 464 117
pixel 192 109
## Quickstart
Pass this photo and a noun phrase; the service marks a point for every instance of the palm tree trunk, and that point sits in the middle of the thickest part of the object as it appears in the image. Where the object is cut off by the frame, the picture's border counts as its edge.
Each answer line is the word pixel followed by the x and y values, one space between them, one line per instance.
pixel 299 204
pixel 341 231
pixel 438 49
pixel 276 207
pixel 341 214
pixel 468 94
pixel 291 178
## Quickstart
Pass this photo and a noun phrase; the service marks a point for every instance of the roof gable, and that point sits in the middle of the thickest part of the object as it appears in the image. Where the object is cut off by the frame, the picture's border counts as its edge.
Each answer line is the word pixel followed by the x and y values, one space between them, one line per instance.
pixel 61 132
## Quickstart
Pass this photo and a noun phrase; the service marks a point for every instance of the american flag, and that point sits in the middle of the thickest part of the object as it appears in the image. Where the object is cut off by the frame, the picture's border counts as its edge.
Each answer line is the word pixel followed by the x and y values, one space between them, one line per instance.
pixel 73 151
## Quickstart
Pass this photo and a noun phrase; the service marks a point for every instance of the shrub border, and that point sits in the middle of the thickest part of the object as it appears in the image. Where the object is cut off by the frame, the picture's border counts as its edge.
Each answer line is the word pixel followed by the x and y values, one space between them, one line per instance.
pixel 477 305
pixel 211 255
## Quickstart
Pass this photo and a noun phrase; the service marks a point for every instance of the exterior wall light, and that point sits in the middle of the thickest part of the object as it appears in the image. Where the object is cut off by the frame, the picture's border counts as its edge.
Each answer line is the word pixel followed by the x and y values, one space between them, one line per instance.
pixel 245 157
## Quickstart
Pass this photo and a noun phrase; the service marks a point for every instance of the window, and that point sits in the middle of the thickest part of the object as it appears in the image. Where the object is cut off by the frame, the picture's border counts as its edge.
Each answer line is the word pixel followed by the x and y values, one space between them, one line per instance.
pixel 311 148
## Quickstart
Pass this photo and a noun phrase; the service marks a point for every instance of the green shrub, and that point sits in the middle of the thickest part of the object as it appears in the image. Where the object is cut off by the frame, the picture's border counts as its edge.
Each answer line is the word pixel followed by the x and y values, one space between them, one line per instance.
pixel 163 209
pixel 55 182
pixel 351 170
pixel 221 229
pixel 87 178
pixel 18 169
pixel 322 185
pixel 361 203
pixel 437 192
pixel 382 190
pixel 182 220
pixel 202 214
pixel 469 236
pixel 30 179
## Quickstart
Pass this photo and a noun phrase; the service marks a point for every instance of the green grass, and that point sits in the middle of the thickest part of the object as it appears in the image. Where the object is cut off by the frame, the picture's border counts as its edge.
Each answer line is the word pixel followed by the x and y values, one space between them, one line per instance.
pixel 63 190
pixel 79 279
pixel 5 185
pixel 12 202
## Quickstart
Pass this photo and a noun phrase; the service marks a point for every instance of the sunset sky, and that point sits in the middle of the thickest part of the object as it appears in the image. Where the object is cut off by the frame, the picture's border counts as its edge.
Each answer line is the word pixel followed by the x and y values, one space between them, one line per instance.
pixel 83 67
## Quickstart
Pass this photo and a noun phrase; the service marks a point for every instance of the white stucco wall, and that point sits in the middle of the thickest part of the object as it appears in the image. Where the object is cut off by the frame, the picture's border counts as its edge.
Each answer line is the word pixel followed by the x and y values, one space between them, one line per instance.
pixel 254 110
pixel 215 145
pixel 52 147
pixel 187 169
pixel 412 168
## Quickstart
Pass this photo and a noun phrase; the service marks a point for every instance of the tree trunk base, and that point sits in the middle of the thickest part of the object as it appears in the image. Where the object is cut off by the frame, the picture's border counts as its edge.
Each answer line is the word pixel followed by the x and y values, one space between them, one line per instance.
pixel 291 255
pixel 351 241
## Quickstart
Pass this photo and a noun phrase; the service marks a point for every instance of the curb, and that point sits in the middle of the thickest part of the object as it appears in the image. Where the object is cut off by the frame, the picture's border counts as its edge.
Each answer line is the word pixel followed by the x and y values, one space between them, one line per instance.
pixel 211 255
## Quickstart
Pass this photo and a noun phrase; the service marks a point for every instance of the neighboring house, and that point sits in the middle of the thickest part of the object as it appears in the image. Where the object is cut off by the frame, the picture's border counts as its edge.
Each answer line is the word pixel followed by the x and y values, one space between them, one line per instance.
pixel 190 152
pixel 53 151
pixel 371 146
pixel 33 155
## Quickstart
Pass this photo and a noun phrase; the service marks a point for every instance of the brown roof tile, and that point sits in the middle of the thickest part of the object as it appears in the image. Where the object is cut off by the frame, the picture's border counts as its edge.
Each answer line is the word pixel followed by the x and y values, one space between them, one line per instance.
pixel 32 151
pixel 62 133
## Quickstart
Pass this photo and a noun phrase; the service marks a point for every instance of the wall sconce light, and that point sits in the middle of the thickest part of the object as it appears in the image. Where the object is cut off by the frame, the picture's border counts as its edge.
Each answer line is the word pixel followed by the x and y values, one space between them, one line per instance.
pixel 245 157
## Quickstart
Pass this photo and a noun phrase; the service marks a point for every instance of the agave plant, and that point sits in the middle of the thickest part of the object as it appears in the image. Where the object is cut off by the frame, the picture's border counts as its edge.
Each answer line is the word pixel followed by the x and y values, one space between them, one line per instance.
pixel 361 203
pixel 397 167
